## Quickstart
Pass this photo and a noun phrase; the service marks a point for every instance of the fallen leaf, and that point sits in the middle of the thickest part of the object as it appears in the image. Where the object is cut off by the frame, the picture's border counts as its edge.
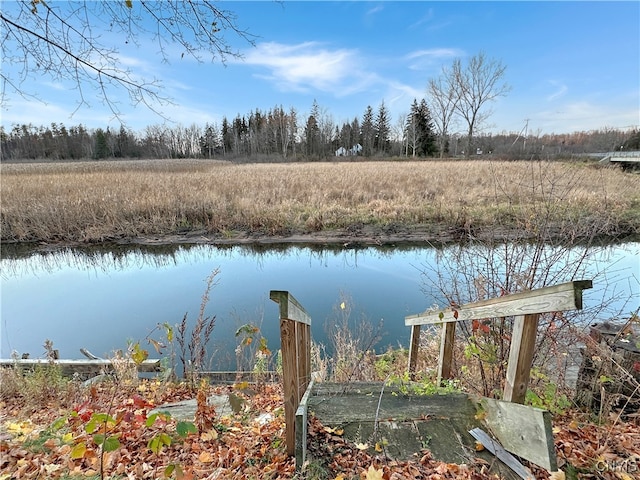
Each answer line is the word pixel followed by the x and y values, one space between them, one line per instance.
pixel 362 446
pixel 336 431
pixel 78 451
pixel 20 428
pixel 205 457
pixel 624 476
pixel 373 473
pixel 209 435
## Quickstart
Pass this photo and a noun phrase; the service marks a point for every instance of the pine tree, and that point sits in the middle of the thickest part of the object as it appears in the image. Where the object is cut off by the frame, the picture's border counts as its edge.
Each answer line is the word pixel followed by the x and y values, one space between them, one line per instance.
pixel 421 140
pixel 382 128
pixel 367 132
pixel 312 131
pixel 209 142
pixel 427 146
pixel 101 146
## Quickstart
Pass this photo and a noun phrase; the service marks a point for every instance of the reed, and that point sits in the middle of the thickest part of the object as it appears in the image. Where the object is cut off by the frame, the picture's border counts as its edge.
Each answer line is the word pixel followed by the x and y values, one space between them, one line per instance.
pixel 101 201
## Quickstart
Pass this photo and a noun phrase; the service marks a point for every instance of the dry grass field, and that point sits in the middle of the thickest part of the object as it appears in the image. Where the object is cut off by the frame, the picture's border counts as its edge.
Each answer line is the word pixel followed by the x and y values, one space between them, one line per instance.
pixel 103 201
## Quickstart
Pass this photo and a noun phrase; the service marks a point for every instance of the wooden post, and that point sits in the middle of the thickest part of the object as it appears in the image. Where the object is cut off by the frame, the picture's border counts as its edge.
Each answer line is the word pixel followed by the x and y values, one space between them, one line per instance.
pixel 445 360
pixel 523 344
pixel 295 339
pixel 413 350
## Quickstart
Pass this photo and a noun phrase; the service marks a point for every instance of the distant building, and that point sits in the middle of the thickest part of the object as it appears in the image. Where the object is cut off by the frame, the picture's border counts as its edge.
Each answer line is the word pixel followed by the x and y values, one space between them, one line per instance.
pixel 355 150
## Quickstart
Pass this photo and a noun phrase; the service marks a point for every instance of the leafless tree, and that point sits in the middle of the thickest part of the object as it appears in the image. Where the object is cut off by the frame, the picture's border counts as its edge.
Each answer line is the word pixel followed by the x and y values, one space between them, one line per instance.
pixel 87 42
pixel 442 103
pixel 476 84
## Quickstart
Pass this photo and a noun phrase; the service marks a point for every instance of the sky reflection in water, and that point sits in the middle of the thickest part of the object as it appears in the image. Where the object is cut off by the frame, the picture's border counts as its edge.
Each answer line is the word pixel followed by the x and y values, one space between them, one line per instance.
pixel 99 299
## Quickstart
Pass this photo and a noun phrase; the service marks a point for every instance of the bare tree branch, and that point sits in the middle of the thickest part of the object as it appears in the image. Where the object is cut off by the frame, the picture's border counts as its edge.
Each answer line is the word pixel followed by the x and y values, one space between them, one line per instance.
pixel 81 42
pixel 475 85
pixel 443 101
pixel 465 91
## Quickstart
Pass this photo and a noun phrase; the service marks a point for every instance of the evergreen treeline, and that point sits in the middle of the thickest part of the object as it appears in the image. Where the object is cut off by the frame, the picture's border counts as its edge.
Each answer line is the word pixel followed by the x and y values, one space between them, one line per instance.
pixel 282 134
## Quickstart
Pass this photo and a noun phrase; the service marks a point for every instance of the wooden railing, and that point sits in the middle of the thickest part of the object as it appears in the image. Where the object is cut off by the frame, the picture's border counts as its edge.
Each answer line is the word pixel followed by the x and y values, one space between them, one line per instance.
pixel 295 338
pixel 525 306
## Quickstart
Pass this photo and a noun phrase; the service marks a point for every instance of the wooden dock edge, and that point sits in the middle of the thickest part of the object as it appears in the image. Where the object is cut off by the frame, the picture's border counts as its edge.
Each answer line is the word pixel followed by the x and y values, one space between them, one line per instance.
pixel 80 366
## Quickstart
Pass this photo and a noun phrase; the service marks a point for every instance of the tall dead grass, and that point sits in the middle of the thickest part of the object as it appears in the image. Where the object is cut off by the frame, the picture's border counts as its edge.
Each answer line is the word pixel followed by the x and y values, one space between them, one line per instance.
pixel 99 201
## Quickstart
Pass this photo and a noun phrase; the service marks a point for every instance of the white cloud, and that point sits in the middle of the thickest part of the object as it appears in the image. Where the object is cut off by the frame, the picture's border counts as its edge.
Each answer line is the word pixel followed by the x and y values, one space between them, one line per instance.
pixel 424 19
pixel 375 10
pixel 428 58
pixel 54 86
pixel 129 62
pixel 561 89
pixel 309 65
pixel 435 53
pixel 400 96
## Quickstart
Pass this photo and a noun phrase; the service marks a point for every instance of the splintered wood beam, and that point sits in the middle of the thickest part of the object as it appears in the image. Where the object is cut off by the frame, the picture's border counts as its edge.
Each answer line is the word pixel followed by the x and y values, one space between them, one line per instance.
pixel 566 296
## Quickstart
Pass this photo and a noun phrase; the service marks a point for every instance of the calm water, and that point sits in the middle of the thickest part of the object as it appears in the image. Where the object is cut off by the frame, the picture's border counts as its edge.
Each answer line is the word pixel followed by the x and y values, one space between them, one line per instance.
pixel 99 299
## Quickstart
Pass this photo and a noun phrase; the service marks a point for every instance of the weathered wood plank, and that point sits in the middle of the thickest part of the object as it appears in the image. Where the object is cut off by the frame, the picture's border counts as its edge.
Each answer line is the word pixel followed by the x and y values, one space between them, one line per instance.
pixel 304 358
pixel 523 344
pixel 289 307
pixel 302 427
pixel 522 430
pixel 295 340
pixel 414 346
pixel 81 365
pixel 566 296
pixel 494 447
pixel 445 360
pixel 289 380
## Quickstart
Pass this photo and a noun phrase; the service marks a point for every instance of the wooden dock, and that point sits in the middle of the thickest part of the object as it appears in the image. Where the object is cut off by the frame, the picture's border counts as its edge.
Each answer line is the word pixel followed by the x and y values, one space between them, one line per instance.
pixel 85 368
pixel 365 412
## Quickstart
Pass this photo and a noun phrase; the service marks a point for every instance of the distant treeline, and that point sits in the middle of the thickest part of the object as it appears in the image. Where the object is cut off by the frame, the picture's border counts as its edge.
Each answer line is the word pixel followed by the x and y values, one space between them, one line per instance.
pixel 280 134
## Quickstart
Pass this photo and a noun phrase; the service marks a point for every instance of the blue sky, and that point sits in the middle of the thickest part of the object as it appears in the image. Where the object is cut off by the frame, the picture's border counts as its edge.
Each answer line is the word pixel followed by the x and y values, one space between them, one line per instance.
pixel 571 65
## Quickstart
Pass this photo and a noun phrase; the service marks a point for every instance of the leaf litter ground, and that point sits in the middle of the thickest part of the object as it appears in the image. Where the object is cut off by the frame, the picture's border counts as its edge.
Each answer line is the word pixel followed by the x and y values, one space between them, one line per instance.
pixel 44 442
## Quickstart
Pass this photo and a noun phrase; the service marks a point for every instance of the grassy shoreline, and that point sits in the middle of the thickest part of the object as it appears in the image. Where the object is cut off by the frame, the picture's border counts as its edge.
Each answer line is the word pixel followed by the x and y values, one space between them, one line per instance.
pixel 204 201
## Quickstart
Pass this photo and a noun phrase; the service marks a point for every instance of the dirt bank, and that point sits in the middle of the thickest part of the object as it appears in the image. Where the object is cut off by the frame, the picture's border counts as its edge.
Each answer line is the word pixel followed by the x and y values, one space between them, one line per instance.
pixel 352 237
